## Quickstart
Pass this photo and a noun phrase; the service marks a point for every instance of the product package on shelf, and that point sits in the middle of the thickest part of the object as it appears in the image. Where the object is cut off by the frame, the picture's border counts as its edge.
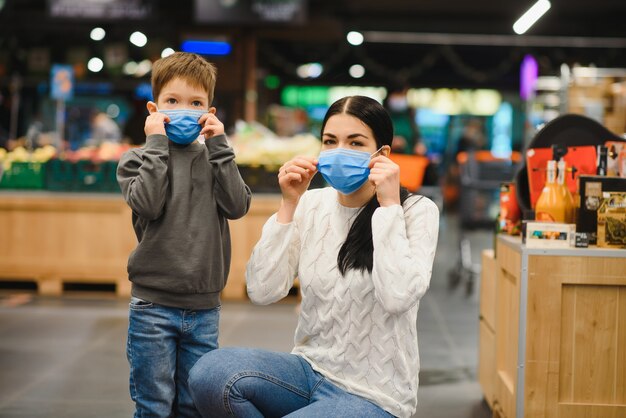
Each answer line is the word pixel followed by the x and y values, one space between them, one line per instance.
pixel 612 220
pixel 591 194
pixel 550 235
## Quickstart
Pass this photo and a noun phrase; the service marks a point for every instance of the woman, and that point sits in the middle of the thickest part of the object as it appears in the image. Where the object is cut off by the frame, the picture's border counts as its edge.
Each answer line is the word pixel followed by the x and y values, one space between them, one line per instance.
pixel 363 251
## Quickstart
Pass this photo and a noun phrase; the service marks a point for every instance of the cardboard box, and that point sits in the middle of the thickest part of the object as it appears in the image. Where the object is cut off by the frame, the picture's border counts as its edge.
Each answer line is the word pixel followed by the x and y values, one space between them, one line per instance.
pixel 590 190
pixel 550 235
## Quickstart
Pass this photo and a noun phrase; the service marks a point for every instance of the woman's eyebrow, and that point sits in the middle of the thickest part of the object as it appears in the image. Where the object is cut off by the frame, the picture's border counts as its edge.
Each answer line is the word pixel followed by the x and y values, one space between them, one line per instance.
pixel 354 135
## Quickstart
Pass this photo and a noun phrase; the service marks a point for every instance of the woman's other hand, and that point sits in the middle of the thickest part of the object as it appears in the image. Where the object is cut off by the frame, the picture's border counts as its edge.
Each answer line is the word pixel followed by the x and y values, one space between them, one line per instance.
pixel 385 176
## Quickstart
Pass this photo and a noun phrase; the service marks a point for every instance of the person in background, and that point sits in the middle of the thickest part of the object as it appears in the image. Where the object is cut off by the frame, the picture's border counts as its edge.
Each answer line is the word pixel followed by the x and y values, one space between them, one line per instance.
pixel 363 251
pixel 406 138
pixel 181 191
pixel 103 129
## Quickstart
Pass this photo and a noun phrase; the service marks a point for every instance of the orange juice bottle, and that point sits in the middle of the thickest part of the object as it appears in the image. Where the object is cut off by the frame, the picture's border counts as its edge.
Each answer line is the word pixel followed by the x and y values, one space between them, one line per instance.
pixel 551 206
pixel 566 195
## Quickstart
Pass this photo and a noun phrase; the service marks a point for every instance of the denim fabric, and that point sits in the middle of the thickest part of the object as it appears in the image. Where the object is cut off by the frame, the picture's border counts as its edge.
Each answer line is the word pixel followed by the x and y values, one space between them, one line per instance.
pixel 163 345
pixel 252 383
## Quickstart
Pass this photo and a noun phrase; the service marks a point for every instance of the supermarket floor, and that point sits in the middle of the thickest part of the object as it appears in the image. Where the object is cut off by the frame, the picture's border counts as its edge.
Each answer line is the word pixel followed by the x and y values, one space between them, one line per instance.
pixel 64 357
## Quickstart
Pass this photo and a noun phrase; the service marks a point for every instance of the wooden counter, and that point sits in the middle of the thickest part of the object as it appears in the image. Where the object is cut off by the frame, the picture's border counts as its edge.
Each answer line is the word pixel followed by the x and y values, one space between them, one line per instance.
pixel 57 238
pixel 560 332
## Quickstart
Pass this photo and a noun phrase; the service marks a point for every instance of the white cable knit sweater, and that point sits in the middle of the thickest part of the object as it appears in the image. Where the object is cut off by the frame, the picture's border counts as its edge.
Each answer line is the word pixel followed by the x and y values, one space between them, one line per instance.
pixel 359 331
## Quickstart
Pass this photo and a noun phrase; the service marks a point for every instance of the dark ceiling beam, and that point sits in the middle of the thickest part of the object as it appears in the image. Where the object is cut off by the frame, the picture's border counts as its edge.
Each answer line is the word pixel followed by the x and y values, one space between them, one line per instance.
pixel 492 40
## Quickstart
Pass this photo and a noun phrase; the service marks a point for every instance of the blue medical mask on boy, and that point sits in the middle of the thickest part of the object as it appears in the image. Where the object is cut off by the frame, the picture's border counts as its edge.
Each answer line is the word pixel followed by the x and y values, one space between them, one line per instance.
pixel 183 127
pixel 345 170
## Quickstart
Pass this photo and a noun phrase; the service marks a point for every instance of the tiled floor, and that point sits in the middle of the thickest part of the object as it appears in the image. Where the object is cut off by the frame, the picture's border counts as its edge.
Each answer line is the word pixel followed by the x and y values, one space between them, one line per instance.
pixel 65 357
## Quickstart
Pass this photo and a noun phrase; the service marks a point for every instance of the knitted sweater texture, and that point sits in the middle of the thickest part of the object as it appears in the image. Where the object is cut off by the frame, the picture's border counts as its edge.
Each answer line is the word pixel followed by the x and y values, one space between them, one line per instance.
pixel 358 330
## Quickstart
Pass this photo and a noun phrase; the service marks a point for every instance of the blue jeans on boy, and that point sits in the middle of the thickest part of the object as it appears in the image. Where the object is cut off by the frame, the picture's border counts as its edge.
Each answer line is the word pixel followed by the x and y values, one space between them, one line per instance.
pixel 163 345
pixel 251 383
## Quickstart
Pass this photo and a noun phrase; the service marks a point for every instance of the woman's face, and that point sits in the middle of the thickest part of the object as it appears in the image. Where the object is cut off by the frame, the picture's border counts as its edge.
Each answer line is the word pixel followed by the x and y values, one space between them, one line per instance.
pixel 346 131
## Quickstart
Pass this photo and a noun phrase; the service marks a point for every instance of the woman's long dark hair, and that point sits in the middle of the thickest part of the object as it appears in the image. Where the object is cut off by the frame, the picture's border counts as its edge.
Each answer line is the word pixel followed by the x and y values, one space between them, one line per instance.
pixel 358 249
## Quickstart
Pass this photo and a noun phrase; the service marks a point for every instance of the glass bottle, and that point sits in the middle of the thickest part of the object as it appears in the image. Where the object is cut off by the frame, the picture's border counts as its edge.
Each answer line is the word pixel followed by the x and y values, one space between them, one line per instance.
pixel 550 206
pixel 566 195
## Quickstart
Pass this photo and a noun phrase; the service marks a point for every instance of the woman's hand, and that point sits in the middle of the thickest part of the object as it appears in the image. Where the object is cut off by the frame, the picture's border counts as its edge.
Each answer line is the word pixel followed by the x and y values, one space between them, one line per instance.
pixel 294 178
pixel 385 176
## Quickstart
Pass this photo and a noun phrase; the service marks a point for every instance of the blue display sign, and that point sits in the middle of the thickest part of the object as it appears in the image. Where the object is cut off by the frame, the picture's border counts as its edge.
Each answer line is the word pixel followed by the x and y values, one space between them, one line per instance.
pixel 62 82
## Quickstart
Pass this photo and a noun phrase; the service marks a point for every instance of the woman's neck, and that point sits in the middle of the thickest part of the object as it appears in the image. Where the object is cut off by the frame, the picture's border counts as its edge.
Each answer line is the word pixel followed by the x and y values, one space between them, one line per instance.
pixel 358 198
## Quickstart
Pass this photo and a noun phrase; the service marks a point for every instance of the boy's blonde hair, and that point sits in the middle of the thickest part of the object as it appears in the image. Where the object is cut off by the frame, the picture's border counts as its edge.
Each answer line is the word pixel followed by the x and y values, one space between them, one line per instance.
pixel 192 68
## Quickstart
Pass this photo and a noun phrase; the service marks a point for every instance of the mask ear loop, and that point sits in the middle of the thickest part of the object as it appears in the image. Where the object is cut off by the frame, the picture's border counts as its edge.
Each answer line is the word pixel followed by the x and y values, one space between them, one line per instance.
pixel 377 152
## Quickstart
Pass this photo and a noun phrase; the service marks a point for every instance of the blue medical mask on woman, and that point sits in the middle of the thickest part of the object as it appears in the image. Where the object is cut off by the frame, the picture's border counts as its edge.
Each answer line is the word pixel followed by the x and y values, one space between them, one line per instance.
pixel 345 170
pixel 183 127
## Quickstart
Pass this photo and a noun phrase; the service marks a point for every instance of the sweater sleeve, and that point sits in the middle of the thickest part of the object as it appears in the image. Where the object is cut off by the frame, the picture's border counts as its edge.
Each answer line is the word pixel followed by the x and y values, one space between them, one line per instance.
pixel 142 176
pixel 273 265
pixel 231 193
pixel 404 252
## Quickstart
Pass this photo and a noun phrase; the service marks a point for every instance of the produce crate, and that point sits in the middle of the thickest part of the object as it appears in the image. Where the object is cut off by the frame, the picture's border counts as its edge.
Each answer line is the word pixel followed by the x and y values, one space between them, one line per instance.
pixel 24 175
pixel 264 179
pixel 90 176
pixel 61 176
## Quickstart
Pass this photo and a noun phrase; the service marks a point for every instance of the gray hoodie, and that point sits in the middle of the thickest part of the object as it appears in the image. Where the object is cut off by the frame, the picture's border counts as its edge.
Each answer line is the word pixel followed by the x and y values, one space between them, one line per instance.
pixel 181 197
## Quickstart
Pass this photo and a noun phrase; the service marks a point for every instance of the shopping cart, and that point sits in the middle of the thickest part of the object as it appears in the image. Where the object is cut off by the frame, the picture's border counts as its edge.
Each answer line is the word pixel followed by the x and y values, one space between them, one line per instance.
pixel 481 174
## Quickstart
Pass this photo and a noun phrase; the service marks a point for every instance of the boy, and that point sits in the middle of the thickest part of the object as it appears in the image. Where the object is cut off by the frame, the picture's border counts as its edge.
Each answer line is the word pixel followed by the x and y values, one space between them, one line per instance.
pixel 181 191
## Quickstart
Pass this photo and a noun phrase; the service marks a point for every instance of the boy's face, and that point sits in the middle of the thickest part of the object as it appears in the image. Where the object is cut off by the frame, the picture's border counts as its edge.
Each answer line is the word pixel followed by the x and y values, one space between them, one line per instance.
pixel 178 94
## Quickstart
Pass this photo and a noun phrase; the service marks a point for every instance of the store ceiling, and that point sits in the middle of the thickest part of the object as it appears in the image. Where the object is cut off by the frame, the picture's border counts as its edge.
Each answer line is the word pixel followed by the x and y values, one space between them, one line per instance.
pixel 571 25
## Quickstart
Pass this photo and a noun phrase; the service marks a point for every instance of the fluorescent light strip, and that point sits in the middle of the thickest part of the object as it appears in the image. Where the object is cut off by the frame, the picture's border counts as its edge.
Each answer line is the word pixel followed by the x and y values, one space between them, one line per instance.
pixel 531 16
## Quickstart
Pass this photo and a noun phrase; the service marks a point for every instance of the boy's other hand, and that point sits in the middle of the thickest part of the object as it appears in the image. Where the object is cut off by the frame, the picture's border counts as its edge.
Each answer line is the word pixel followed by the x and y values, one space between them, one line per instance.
pixel 212 126
pixel 155 123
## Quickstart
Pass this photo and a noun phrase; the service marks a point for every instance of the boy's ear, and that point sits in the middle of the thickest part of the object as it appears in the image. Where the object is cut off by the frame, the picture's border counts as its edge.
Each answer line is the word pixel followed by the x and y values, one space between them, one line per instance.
pixel 152 107
pixel 212 110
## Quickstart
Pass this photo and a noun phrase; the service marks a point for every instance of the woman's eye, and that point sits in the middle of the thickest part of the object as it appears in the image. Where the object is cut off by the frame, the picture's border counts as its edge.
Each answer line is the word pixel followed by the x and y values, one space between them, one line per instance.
pixel 356 144
pixel 329 142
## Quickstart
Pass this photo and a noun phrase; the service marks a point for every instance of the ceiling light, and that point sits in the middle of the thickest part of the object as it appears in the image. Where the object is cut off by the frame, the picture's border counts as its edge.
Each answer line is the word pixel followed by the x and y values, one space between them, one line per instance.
pixel 97 34
pixel 95 65
pixel 357 71
pixel 138 39
pixel 130 68
pixel 531 16
pixel 355 38
pixel 167 52
pixel 312 70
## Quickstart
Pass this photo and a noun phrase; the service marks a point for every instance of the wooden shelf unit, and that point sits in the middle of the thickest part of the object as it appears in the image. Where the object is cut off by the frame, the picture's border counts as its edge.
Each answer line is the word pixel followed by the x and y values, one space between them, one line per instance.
pixel 57 238
pixel 560 332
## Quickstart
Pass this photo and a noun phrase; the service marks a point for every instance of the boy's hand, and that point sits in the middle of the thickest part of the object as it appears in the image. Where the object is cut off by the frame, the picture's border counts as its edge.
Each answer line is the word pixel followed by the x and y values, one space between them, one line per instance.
pixel 211 124
pixel 155 123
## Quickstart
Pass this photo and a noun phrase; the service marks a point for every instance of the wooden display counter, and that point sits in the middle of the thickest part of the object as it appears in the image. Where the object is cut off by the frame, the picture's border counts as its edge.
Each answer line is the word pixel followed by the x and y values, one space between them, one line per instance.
pixel 57 238
pixel 553 331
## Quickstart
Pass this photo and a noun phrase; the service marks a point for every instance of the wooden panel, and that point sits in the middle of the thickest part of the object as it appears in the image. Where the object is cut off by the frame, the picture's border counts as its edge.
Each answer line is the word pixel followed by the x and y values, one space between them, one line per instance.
pixel 54 239
pixel 488 289
pixel 590 344
pixel 487 361
pixel 507 323
pixel 509 259
pixel 575 357
pixel 245 233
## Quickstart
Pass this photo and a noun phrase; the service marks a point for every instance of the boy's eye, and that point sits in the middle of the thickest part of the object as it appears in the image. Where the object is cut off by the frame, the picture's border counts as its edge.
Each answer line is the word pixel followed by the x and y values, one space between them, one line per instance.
pixel 171 101
pixel 197 103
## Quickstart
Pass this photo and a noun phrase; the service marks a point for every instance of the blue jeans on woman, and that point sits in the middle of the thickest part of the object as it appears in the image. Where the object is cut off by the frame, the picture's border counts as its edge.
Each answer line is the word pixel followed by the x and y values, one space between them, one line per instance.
pixel 163 345
pixel 251 383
